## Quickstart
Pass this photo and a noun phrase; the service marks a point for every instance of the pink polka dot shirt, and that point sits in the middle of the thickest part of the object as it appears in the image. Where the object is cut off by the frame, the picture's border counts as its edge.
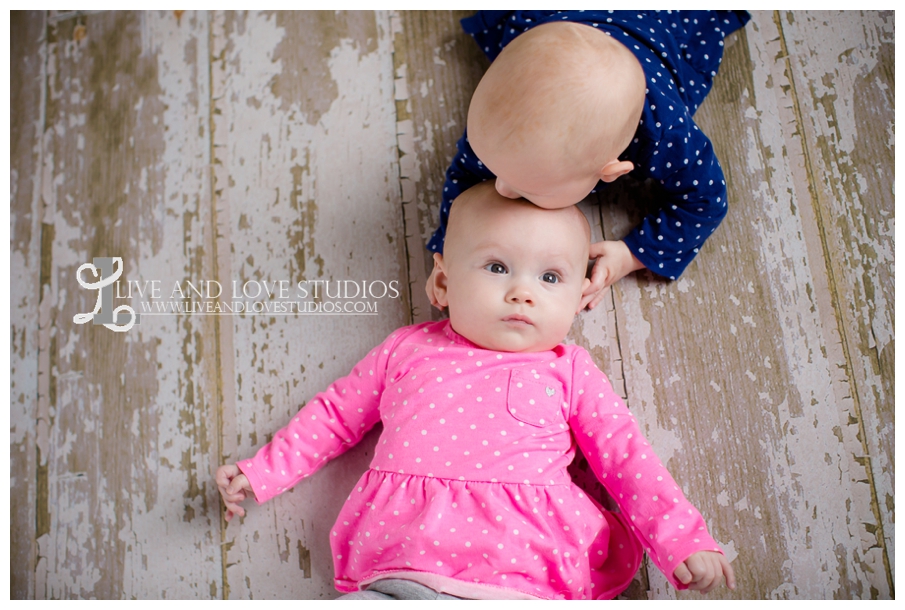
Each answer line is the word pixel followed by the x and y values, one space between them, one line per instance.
pixel 468 489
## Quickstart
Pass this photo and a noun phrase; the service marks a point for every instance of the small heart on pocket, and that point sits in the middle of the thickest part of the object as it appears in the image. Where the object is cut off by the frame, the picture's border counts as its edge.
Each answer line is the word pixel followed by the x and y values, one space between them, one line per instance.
pixel 525 400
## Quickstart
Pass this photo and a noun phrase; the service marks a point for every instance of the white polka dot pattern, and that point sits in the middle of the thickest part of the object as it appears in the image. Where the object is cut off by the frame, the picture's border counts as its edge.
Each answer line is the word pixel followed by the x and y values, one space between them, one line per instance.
pixel 478 489
pixel 680 53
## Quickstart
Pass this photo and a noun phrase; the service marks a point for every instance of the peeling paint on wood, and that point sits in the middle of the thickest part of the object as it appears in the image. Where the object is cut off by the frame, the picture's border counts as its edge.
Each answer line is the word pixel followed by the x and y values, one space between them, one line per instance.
pixel 312 146
pixel 124 414
pixel 309 193
pixel 437 67
pixel 846 109
pixel 27 91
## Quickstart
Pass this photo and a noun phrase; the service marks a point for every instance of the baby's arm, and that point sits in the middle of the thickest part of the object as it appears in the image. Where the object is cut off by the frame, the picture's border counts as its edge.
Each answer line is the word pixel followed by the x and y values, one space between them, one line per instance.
pixel 666 242
pixel 668 526
pixel 694 201
pixel 331 422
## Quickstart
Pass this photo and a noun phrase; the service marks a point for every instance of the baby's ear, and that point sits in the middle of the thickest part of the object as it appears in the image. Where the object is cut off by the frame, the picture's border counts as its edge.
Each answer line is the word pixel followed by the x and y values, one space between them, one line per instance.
pixel 439 280
pixel 614 169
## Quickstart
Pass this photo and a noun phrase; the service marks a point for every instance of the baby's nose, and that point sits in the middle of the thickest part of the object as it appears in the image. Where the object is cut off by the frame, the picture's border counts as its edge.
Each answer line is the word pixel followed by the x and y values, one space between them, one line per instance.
pixel 520 294
pixel 505 190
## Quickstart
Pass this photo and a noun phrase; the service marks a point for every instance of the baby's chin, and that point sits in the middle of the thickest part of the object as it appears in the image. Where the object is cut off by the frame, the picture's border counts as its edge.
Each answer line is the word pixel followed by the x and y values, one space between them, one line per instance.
pixel 515 343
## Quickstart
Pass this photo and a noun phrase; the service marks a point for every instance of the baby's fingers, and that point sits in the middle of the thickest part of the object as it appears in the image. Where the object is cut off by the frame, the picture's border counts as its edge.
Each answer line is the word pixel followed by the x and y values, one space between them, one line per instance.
pixel 233 497
pixel 592 300
pixel 238 484
pixel 232 510
pixel 707 569
pixel 682 574
pixel 594 293
pixel 597 299
pixel 225 474
pixel 599 275
pixel 728 572
pixel 698 573
pixel 707 583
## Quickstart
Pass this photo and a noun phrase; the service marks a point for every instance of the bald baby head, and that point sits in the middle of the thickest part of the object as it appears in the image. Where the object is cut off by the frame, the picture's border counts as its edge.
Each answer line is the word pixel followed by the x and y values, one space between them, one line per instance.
pixel 562 90
pixel 481 208
pixel 511 273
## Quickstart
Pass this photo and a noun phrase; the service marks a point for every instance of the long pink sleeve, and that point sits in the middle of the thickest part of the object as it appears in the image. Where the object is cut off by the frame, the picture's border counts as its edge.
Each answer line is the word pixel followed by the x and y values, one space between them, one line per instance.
pixel 329 424
pixel 469 486
pixel 669 527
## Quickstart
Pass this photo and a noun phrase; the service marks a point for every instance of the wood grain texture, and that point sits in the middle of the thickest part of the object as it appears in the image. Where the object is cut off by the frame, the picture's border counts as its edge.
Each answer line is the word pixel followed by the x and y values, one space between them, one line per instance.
pixel 734 365
pixel 27 31
pixel 437 68
pixel 756 395
pixel 245 147
pixel 597 331
pixel 842 69
pixel 307 189
pixel 123 448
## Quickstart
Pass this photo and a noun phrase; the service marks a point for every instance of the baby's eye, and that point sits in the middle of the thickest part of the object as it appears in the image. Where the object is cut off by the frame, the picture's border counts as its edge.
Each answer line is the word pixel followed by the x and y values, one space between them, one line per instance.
pixel 495 268
pixel 550 277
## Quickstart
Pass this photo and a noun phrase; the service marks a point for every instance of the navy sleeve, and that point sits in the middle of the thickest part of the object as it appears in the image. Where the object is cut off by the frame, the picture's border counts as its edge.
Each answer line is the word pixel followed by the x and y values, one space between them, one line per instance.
pixel 684 163
pixel 464 172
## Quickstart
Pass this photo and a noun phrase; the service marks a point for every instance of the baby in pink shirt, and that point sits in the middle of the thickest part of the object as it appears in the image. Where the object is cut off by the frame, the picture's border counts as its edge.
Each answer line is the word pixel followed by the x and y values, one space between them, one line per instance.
pixel 468 492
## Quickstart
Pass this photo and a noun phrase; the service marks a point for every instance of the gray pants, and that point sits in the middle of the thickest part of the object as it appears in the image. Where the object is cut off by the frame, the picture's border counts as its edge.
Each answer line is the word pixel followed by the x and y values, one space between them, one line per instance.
pixel 396 588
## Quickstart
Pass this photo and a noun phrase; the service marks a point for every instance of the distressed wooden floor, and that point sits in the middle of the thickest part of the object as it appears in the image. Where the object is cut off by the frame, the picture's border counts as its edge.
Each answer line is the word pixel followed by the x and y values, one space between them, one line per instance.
pixel 311 146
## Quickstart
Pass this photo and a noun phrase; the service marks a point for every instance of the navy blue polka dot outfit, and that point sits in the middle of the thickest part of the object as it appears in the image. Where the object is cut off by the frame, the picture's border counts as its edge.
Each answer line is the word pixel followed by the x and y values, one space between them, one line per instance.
pixel 680 52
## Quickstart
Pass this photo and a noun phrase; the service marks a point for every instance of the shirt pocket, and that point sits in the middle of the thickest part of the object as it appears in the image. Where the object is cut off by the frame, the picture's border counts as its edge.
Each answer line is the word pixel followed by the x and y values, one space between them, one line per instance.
pixel 534 399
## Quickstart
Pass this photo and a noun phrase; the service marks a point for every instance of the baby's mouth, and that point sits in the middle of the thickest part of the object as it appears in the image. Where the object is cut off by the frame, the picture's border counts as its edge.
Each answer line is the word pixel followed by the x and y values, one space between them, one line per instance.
pixel 518 319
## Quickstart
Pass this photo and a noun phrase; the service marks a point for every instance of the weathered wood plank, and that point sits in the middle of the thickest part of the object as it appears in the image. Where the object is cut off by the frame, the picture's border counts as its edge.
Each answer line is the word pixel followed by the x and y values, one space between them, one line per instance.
pixel 307 189
pixel 437 68
pixel 27 46
pixel 765 376
pixel 842 65
pixel 596 330
pixel 672 383
pixel 732 367
pixel 123 444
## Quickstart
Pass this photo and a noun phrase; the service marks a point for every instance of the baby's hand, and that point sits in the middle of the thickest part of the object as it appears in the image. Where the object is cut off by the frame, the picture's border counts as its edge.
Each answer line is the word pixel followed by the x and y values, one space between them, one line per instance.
pixel 234 488
pixel 614 261
pixel 704 571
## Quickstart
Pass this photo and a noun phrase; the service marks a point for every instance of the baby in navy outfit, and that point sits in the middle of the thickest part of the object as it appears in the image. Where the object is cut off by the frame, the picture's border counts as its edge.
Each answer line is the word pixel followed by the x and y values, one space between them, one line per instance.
pixel 576 99
pixel 468 494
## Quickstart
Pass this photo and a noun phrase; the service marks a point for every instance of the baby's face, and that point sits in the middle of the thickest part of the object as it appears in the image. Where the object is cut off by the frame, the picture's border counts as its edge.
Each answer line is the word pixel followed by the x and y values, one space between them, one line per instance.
pixel 515 274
